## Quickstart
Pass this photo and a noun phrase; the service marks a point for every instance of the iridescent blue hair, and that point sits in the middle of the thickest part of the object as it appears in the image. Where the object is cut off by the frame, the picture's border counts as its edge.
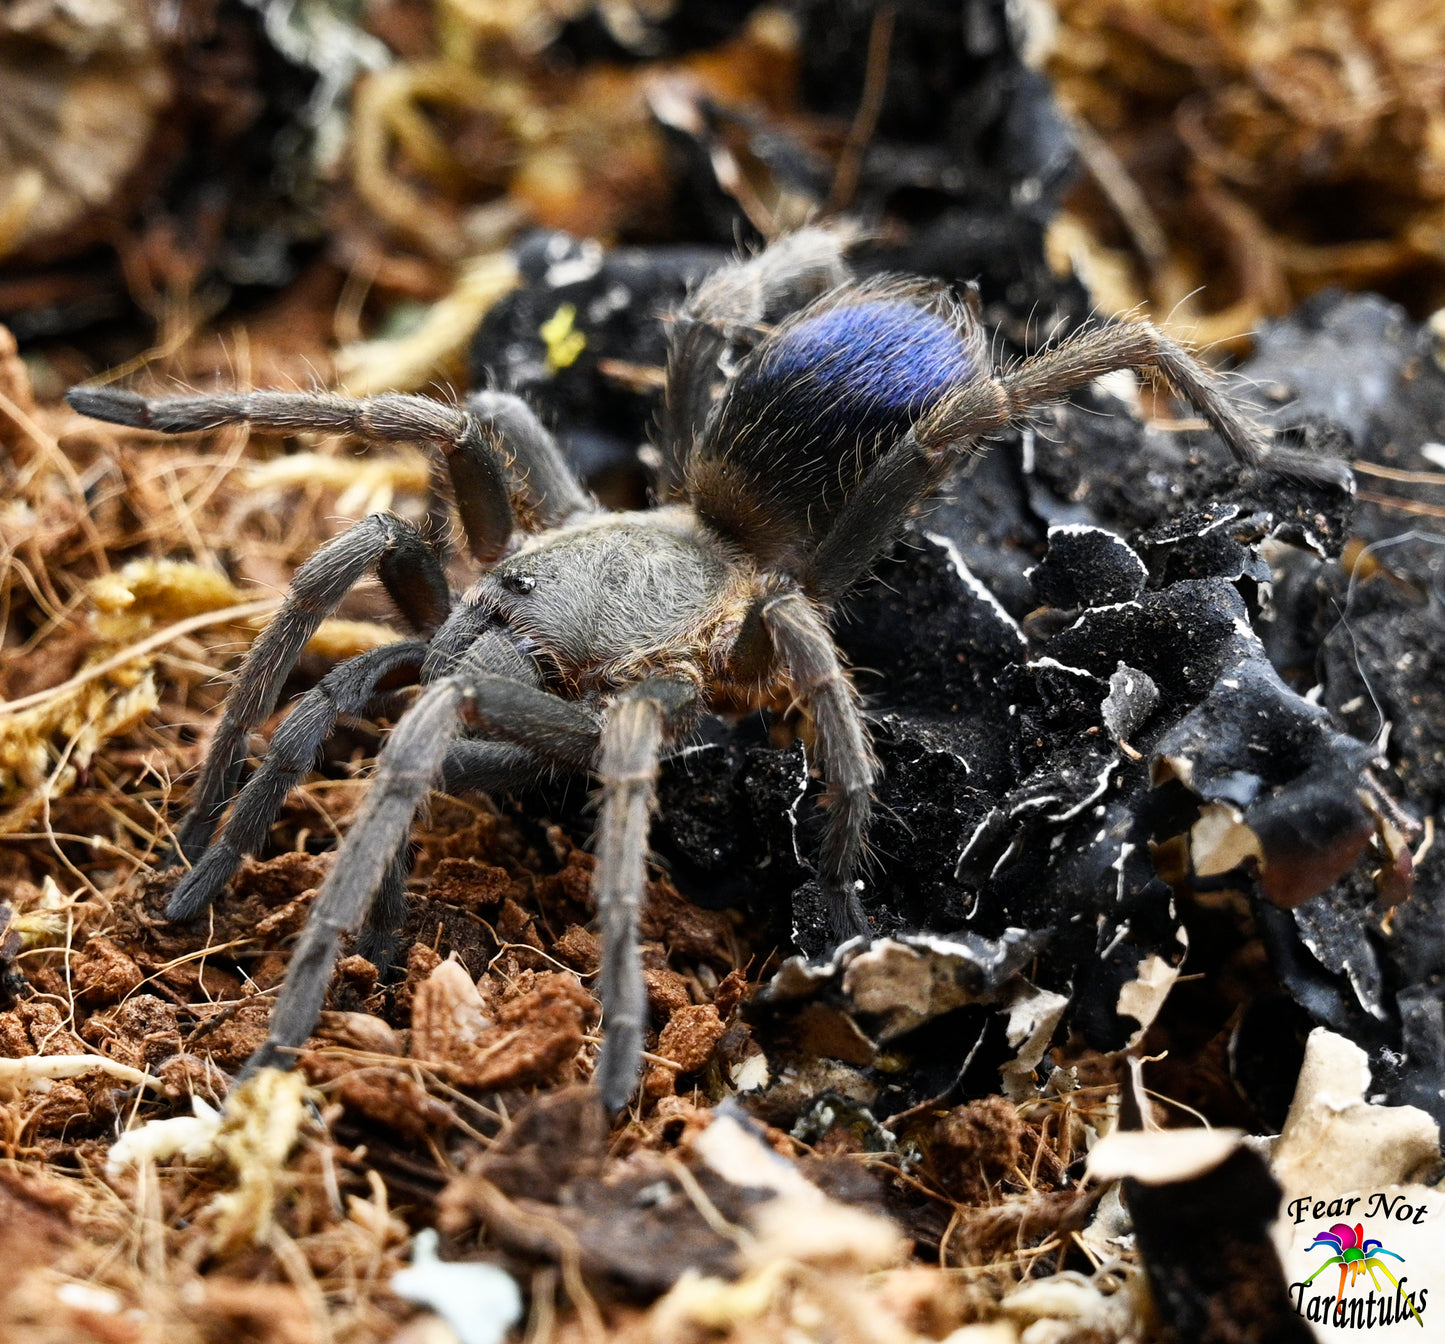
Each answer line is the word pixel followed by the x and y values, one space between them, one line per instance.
pixel 822 399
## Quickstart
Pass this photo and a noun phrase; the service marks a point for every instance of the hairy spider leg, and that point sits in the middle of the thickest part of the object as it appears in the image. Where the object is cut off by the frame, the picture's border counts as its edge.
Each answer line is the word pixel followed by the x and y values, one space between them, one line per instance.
pixel 536 464
pixel 500 460
pixel 1088 354
pixel 870 520
pixel 478 766
pixel 841 746
pixel 377 938
pixel 365 860
pixel 637 725
pixel 348 689
pixel 1141 346
pixel 472 766
pixel 893 487
pixel 412 575
pixel 486 494
pixel 406 769
pixel 882 502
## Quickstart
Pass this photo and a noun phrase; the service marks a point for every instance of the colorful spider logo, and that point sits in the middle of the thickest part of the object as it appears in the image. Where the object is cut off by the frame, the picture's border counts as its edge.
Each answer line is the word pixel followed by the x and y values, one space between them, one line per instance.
pixel 1353 1254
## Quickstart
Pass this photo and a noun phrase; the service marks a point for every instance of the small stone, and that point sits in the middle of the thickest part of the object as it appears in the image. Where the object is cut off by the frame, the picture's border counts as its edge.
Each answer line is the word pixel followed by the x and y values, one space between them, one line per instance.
pixel 691 1036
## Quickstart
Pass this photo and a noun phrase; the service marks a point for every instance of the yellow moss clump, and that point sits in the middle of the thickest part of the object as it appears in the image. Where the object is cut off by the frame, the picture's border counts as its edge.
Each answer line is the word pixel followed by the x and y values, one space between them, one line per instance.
pixel 260 1126
pixel 48 739
pixel 366 484
pixel 129 604
pixel 43 749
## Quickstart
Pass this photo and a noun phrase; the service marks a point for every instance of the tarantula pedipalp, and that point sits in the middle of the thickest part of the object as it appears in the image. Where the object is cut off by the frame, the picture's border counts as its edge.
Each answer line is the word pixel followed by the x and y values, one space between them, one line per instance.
pixel 807 415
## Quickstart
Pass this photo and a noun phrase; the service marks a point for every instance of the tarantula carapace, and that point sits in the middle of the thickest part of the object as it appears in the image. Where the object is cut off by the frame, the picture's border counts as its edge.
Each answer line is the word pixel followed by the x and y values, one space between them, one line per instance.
pixel 806 416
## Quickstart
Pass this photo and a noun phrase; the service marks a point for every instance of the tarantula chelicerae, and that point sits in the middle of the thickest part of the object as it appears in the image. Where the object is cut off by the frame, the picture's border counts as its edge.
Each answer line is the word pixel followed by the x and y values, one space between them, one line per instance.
pixel 806 416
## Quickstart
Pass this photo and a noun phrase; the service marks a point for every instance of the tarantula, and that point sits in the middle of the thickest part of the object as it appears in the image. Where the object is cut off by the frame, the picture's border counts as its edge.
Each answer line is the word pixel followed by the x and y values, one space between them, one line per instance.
pixel 807 414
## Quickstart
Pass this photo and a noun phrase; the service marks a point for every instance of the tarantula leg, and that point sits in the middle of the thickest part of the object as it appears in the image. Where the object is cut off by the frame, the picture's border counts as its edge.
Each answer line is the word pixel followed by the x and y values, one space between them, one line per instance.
pixel 468 767
pixel 479 477
pixel 377 938
pixel 979 406
pixel 408 762
pixel 347 689
pixel 453 645
pixel 375 845
pixel 546 477
pixel 632 739
pixel 841 746
pixel 473 766
pixel 1141 346
pixel 412 575
pixel 871 518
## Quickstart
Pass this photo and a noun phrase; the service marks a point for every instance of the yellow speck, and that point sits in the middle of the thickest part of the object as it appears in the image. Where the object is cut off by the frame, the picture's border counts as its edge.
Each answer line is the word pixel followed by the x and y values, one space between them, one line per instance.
pixel 564 342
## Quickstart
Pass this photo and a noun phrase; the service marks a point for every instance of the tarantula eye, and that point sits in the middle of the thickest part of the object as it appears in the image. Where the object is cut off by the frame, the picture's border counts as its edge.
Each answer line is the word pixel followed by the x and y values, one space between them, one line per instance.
pixel 518 583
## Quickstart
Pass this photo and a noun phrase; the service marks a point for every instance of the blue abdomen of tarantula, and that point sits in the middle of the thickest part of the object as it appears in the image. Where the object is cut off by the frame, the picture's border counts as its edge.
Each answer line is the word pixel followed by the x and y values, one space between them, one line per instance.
pixel 815 406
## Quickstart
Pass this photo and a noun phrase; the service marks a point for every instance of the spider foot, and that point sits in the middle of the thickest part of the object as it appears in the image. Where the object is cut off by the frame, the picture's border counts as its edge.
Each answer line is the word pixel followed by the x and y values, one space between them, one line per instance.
pixel 1307 469
pixel 271 1055
pixel 847 917
pixel 382 948
pixel 824 919
pixel 111 404
pixel 199 887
